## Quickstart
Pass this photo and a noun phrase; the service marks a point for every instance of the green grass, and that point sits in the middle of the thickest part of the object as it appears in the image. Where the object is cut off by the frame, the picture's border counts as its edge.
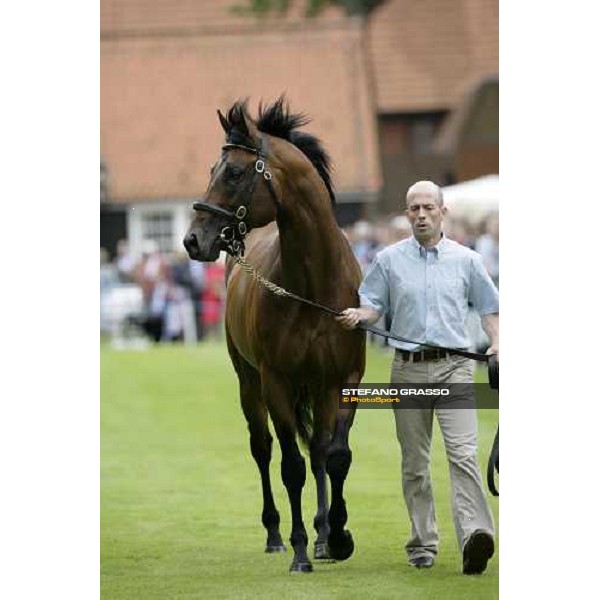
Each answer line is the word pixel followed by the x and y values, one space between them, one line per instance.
pixel 181 500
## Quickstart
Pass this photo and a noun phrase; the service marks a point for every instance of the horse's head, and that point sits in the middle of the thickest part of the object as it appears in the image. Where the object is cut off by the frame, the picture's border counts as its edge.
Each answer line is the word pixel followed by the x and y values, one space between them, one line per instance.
pixel 240 194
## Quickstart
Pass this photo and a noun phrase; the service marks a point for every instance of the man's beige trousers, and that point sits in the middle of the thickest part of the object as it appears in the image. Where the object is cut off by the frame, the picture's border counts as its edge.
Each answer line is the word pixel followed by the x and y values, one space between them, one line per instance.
pixel 459 429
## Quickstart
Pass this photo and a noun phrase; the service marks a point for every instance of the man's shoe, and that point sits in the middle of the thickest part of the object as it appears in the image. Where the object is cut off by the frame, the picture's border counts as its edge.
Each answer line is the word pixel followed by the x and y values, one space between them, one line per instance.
pixel 421 562
pixel 477 551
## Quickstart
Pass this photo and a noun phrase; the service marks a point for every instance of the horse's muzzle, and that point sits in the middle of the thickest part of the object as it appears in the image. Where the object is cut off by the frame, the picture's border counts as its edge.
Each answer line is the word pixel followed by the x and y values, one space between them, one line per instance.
pixel 200 249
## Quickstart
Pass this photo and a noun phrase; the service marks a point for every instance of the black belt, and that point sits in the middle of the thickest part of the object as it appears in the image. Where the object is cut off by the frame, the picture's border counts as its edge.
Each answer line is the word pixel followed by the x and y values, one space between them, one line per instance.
pixel 423 355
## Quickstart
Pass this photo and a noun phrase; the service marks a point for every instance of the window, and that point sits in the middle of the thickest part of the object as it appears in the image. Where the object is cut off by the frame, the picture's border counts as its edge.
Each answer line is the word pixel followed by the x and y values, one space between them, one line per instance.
pixel 409 133
pixel 159 227
pixel 421 132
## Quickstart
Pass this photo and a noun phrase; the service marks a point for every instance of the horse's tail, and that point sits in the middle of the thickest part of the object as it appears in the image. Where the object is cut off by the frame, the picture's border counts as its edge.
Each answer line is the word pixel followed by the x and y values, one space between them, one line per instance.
pixel 304 416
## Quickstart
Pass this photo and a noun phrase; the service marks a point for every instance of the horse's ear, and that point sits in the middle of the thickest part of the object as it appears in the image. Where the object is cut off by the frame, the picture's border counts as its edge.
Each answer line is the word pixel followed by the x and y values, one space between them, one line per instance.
pixel 251 127
pixel 224 123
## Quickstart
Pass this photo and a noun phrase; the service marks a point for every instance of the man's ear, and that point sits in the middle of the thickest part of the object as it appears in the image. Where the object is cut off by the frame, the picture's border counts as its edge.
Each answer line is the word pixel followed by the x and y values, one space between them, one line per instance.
pixel 224 124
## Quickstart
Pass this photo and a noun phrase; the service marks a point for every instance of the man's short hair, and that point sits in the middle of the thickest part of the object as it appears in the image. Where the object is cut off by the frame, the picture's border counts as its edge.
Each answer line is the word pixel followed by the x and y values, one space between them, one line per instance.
pixel 440 194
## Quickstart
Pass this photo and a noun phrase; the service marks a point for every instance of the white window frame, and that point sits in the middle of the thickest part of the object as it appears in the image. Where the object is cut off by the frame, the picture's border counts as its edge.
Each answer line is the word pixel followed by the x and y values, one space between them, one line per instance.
pixel 179 209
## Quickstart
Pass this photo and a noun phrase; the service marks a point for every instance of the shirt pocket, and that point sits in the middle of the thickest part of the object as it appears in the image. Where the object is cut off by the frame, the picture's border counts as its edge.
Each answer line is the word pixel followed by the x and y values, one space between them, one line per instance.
pixel 451 297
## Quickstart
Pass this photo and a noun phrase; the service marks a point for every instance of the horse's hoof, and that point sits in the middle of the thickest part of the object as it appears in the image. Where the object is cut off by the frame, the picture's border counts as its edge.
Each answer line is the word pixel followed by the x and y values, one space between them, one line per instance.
pixel 274 543
pixel 341 545
pixel 321 551
pixel 301 567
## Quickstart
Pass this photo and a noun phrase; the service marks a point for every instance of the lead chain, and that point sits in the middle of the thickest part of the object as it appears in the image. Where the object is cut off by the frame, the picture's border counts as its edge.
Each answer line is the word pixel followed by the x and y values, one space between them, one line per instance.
pixel 273 288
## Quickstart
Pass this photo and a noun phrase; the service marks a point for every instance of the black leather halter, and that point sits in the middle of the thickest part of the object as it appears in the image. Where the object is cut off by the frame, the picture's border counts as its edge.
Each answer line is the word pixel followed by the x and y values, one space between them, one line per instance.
pixel 237 227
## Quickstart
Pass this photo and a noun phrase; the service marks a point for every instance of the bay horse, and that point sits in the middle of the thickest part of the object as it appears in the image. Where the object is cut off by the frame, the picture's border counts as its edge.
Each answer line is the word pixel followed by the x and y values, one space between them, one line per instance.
pixel 270 195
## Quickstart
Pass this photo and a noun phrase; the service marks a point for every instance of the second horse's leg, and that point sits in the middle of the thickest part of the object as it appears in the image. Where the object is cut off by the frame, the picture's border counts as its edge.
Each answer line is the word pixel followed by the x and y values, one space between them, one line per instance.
pixel 321 523
pixel 324 421
pixel 339 459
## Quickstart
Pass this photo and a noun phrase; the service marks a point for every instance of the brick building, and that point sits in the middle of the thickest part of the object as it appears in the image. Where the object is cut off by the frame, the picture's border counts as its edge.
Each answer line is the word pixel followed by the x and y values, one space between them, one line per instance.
pixel 429 59
pixel 384 95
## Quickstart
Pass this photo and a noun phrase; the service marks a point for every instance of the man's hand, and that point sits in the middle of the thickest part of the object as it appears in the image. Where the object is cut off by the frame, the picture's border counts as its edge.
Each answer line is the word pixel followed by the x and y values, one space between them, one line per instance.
pixel 490 325
pixel 494 350
pixel 351 317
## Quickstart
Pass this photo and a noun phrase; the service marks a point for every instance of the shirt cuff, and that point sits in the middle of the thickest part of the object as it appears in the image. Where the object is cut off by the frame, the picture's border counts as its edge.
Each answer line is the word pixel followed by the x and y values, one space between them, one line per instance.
pixel 367 304
pixel 488 310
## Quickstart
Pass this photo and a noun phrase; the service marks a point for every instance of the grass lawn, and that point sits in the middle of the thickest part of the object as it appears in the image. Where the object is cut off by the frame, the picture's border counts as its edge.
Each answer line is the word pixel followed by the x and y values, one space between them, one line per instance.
pixel 181 500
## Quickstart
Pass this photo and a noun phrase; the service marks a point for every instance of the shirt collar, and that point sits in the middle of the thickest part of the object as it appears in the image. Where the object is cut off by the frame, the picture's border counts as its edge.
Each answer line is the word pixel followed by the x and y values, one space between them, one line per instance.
pixel 422 251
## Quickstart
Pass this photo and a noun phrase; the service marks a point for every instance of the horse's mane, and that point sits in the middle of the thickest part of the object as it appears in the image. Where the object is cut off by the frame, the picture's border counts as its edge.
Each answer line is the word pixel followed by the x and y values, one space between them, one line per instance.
pixel 276 120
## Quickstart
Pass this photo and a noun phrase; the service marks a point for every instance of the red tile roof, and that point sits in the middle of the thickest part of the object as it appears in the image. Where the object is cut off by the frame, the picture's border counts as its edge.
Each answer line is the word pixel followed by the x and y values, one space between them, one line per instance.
pixel 426 53
pixel 167 65
pixel 160 92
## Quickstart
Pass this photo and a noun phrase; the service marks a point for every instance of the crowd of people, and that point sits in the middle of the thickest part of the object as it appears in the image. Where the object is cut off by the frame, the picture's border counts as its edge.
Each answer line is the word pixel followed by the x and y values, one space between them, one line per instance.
pixel 170 298
pixel 178 299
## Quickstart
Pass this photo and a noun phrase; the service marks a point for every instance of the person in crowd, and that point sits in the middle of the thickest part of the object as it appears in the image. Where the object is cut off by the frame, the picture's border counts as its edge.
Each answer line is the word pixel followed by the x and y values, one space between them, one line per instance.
pixel 364 244
pixel 424 284
pixel 188 280
pixel 488 245
pixel 400 228
pixel 164 321
pixel 108 279
pixel 150 269
pixel 213 298
pixel 459 230
pixel 197 279
pixel 180 270
pixel 125 262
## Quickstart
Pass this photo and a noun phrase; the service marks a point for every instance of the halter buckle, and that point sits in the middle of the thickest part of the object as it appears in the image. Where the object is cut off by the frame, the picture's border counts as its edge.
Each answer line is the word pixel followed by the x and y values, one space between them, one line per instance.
pixel 267 175
pixel 242 228
pixel 241 212
pixel 227 234
pixel 260 165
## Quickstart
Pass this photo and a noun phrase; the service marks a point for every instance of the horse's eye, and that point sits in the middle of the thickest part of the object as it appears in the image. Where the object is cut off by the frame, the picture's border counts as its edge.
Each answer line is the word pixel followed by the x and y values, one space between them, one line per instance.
pixel 235 172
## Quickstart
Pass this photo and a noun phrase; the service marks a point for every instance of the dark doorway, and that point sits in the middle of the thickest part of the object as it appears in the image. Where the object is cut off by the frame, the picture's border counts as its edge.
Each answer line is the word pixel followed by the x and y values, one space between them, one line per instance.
pixel 113 227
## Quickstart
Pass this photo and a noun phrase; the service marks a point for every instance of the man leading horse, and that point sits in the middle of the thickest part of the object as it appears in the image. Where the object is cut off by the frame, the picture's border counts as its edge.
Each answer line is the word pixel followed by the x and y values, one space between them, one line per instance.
pixel 424 285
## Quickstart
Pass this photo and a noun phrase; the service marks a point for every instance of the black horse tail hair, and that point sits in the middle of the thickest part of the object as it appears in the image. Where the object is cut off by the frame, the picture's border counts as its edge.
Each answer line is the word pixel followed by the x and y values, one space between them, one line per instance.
pixel 304 416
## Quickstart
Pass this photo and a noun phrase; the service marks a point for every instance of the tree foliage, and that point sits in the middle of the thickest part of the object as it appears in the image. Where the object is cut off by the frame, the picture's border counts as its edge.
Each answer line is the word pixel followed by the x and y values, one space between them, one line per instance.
pixel 312 7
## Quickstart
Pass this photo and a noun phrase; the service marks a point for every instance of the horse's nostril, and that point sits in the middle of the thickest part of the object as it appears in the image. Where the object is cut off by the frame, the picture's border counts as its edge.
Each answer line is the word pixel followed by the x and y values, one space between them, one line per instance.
pixel 190 242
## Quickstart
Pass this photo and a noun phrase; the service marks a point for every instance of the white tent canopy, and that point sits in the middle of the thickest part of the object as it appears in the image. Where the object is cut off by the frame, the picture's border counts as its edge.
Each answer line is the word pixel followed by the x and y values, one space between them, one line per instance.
pixel 473 199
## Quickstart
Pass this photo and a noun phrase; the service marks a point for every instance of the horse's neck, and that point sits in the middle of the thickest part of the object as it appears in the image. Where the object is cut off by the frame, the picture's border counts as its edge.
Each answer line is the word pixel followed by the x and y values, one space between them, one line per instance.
pixel 312 248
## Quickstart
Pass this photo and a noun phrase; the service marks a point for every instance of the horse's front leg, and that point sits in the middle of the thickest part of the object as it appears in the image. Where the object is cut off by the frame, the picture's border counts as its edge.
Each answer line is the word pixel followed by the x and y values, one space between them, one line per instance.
pixel 338 461
pixel 279 398
pixel 260 445
pixel 261 441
